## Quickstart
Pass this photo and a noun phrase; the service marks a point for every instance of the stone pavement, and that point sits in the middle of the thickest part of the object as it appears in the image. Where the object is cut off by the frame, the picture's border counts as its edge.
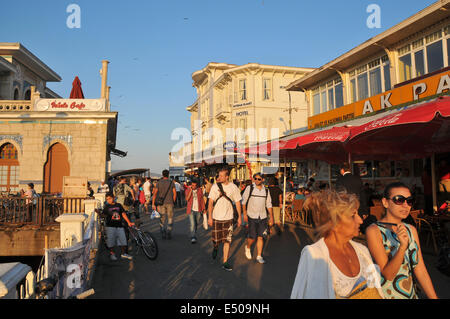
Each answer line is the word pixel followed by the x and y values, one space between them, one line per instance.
pixel 187 271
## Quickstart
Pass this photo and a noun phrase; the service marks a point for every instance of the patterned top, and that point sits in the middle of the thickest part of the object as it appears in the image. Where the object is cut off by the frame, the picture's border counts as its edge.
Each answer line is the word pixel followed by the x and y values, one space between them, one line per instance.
pixel 402 286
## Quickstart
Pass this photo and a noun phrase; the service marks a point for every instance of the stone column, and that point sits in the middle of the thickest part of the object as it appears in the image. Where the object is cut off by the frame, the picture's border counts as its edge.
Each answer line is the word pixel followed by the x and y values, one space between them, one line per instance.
pixel 71 228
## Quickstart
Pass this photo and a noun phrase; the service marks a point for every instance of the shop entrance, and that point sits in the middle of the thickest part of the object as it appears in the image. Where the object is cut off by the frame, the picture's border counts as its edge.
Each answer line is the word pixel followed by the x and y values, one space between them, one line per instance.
pixel 56 167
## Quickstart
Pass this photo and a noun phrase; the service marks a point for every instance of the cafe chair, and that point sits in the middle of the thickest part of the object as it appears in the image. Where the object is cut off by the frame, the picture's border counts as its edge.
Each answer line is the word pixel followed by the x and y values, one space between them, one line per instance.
pixel 297 210
pixel 424 227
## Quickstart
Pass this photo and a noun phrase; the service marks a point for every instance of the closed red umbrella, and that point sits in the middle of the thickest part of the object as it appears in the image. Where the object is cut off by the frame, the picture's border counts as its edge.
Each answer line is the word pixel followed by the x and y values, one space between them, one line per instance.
pixel 77 92
pixel 416 132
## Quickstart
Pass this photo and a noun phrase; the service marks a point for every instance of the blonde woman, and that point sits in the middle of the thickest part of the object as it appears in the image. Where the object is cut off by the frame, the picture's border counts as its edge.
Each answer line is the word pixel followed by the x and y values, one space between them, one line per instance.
pixel 395 247
pixel 335 266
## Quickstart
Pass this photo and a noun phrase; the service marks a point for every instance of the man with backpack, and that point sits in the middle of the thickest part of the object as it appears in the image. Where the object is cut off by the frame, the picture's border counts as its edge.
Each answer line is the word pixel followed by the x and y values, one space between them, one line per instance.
pixel 164 197
pixel 221 213
pixel 124 194
pixel 256 203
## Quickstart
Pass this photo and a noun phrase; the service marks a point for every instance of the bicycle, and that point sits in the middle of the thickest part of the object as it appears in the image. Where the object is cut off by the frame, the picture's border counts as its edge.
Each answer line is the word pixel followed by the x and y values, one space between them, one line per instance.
pixel 143 240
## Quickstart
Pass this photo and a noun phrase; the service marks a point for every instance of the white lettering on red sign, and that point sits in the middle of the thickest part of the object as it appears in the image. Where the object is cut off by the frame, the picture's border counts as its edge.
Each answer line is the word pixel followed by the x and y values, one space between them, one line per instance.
pixel 389 120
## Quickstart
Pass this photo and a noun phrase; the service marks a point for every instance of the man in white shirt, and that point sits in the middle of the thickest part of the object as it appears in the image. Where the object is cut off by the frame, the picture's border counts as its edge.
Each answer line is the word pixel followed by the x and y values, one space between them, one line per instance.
pixel 178 189
pixel 256 201
pixel 220 214
pixel 147 192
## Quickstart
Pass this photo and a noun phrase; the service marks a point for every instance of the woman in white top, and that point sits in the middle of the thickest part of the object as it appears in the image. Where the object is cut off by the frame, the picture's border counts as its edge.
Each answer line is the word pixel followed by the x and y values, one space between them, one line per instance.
pixel 335 266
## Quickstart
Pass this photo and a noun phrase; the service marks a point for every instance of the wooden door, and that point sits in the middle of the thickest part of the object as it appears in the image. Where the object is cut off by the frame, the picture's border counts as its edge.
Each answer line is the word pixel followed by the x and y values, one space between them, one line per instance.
pixel 56 167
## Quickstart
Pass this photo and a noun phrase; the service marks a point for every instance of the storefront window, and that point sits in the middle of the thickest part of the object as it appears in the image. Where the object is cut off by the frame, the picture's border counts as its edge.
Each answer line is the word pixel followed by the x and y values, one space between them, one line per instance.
pixel 353 89
pixel 384 168
pixel 405 67
pixel 363 87
pixel 375 81
pixel 339 95
pixel 324 101
pixel 420 65
pixel 435 57
pixel 330 99
pixel 387 77
pixel 316 102
pixel 448 50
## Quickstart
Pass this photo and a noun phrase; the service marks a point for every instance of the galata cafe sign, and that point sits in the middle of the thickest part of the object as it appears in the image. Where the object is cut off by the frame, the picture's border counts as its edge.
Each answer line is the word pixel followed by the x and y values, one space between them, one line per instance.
pixel 70 105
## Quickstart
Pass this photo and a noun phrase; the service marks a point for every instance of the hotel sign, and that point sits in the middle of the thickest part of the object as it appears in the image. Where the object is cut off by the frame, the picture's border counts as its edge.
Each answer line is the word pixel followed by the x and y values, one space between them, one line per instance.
pixel 70 105
pixel 242 104
pixel 428 86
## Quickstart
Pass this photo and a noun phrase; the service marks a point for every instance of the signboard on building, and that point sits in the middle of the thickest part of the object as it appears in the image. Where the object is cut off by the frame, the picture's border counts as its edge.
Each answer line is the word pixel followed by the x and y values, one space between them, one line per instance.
pixel 75 187
pixel 70 105
pixel 427 86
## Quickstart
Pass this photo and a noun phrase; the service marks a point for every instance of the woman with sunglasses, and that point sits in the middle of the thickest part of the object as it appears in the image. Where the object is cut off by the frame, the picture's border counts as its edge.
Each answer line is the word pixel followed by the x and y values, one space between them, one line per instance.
pixel 395 247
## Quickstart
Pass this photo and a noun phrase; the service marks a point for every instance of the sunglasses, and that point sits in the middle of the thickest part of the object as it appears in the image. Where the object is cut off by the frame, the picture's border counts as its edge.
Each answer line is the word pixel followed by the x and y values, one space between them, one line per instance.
pixel 258 179
pixel 400 199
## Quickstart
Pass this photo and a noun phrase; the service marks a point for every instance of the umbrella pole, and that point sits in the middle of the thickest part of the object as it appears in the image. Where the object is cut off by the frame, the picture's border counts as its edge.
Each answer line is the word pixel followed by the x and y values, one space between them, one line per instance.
pixel 329 175
pixel 433 182
pixel 284 191
pixel 350 162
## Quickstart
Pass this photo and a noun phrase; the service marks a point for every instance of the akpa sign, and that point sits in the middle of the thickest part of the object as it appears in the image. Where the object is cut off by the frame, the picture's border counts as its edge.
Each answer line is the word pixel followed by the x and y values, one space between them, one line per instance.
pixel 428 86
pixel 70 105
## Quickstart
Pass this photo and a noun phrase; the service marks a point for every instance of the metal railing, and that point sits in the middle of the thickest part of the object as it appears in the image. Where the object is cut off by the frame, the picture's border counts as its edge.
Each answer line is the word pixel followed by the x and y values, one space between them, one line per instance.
pixel 37 211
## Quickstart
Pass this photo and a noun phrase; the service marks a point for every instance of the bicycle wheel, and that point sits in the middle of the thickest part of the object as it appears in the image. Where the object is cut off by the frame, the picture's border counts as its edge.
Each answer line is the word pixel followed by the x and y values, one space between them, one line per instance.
pixel 149 245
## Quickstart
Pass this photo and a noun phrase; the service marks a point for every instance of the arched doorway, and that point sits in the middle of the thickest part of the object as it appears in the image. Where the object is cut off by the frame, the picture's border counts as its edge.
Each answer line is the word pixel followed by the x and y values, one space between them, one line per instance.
pixel 56 167
pixel 9 169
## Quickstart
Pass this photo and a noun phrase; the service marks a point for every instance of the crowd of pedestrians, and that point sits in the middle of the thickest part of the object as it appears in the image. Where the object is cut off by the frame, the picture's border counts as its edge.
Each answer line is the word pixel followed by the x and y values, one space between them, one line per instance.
pixel 335 266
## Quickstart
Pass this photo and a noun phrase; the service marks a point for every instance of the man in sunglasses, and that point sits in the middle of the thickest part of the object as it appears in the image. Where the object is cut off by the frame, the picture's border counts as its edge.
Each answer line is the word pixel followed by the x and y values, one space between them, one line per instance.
pixel 256 203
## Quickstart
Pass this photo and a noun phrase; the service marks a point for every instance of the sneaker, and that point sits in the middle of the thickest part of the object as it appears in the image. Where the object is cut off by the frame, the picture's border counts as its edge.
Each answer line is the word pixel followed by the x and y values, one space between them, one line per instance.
pixel 193 240
pixel 227 266
pixel 113 257
pixel 260 260
pixel 214 253
pixel 126 256
pixel 248 253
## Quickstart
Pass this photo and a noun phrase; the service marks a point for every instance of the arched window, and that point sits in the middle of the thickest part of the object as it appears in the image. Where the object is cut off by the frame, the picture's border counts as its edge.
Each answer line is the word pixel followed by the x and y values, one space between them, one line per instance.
pixel 16 94
pixel 9 169
pixel 27 95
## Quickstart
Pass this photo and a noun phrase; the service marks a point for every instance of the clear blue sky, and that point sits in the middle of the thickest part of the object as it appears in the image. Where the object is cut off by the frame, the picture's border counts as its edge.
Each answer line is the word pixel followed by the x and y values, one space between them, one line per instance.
pixel 155 46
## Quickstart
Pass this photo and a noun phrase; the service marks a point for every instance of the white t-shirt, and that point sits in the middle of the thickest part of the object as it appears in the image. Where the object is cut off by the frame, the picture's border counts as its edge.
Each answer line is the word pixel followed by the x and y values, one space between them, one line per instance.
pixel 258 202
pixel 195 201
pixel 177 187
pixel 223 209
pixel 147 188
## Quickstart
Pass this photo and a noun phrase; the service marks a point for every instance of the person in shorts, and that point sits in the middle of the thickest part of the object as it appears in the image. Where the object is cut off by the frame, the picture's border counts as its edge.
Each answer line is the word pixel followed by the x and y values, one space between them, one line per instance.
pixel 256 204
pixel 116 218
pixel 221 213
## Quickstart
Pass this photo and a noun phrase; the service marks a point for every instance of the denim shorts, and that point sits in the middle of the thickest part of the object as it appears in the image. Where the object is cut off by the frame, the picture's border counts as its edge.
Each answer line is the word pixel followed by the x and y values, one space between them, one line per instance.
pixel 256 227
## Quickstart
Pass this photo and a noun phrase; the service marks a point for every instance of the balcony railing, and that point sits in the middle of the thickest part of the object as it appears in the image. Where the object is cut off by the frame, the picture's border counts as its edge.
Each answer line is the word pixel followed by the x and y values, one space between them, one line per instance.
pixel 38 211
pixel 15 105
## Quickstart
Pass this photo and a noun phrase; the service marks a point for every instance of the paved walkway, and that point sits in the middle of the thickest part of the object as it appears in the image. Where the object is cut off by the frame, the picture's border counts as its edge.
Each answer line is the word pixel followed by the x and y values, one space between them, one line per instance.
pixel 187 271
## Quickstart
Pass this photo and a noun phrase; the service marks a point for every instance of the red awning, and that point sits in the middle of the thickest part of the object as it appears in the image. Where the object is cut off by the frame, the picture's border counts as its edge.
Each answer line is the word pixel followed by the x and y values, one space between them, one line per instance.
pixel 416 132
pixel 77 92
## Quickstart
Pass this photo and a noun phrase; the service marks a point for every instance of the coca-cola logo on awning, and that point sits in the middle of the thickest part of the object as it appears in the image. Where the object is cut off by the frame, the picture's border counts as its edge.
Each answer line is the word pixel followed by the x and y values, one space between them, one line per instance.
pixel 383 122
pixel 330 137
